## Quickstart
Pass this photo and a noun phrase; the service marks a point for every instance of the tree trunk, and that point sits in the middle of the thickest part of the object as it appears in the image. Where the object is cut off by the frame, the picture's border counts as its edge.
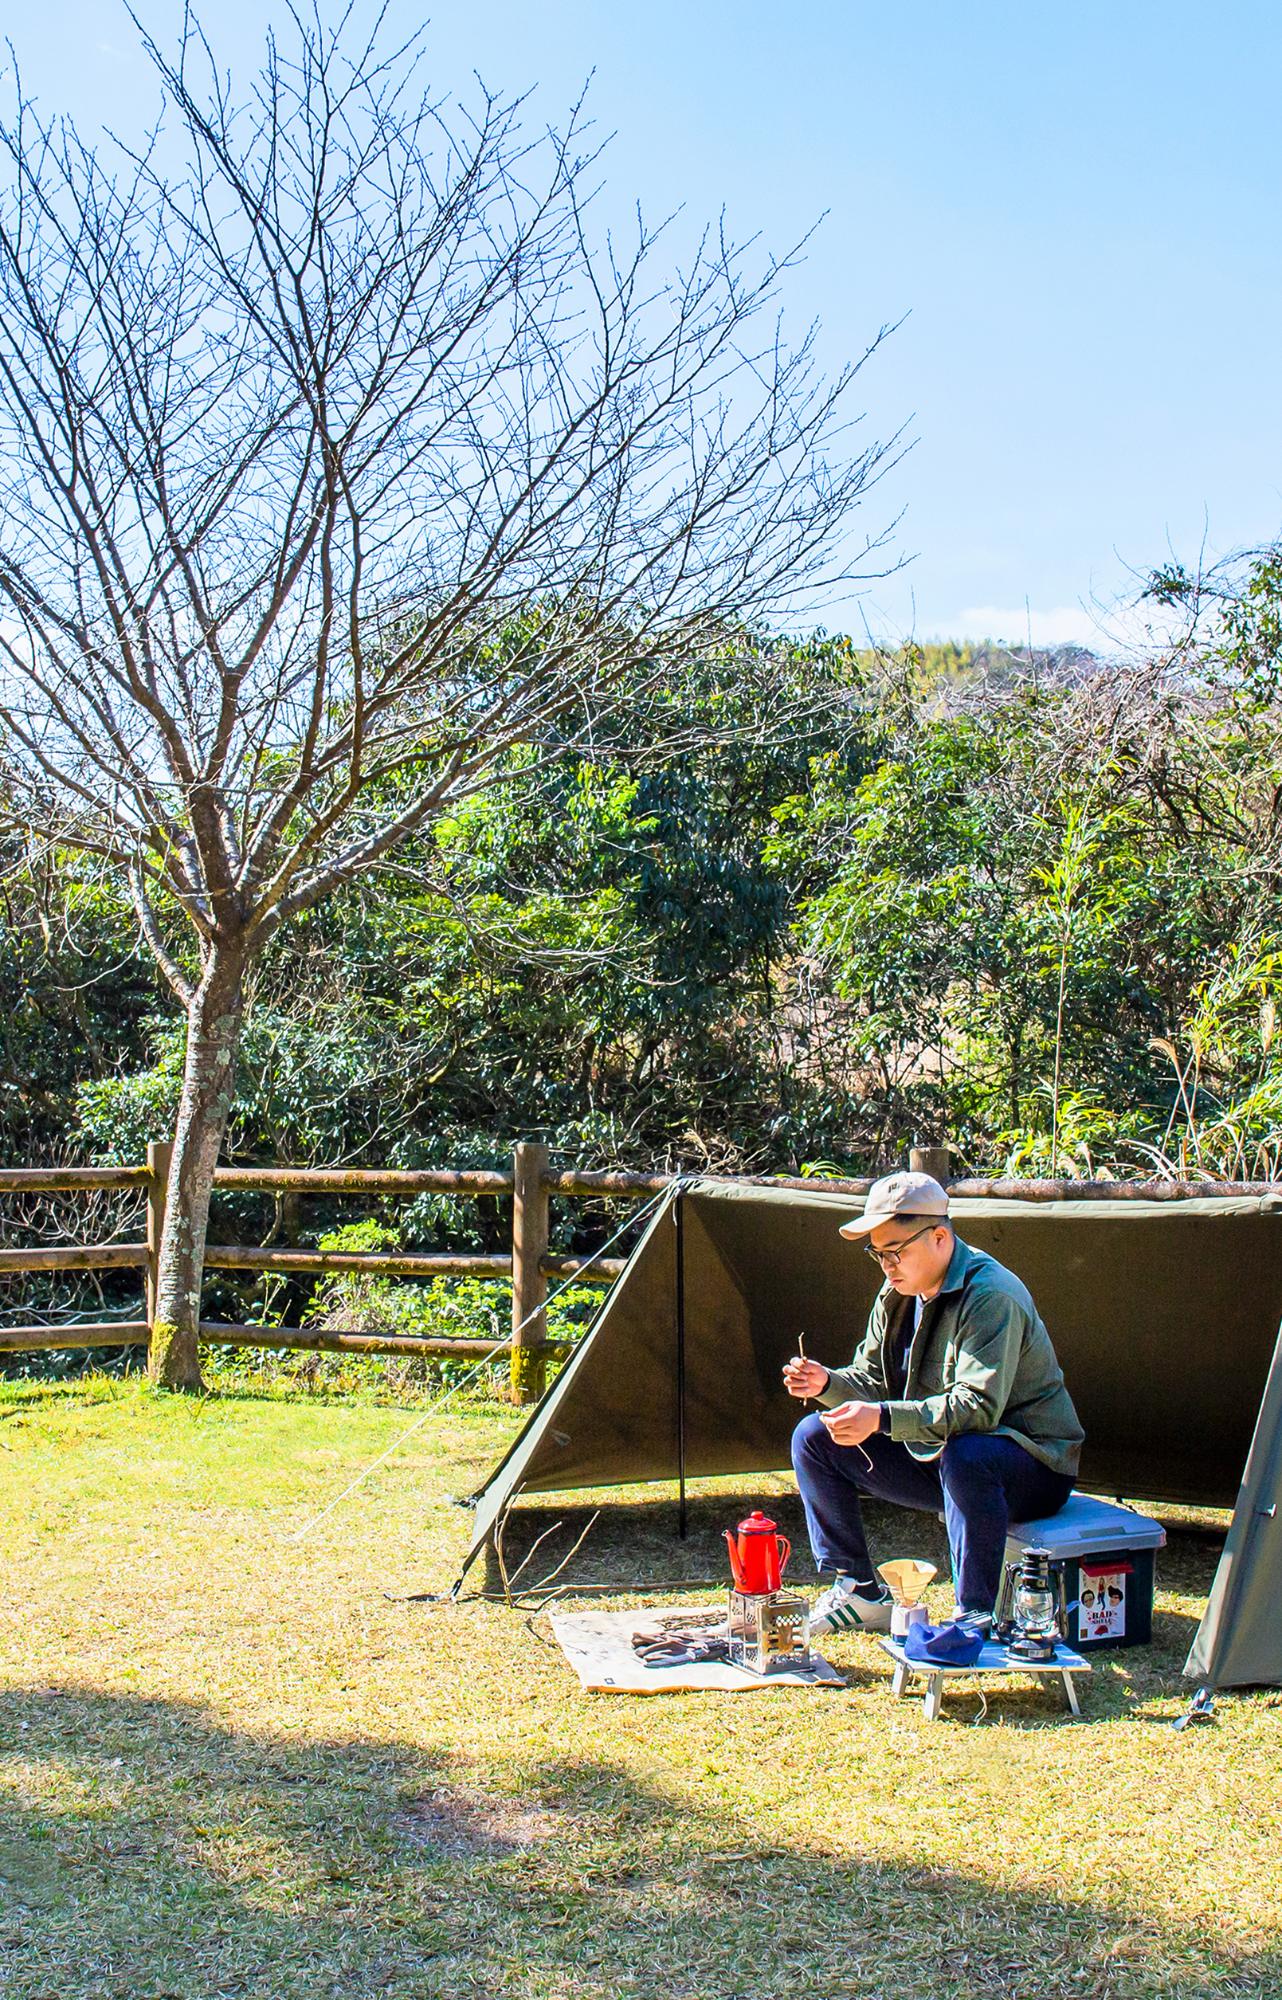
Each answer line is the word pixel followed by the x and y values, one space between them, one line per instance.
pixel 213 1036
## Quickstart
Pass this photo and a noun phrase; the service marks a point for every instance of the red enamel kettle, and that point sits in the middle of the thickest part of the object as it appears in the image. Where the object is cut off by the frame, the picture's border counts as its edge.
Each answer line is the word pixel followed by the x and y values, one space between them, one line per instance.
pixel 758 1553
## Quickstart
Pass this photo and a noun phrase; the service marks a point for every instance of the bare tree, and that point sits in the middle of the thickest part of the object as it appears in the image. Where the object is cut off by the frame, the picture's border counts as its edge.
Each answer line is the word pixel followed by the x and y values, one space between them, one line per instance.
pixel 342 463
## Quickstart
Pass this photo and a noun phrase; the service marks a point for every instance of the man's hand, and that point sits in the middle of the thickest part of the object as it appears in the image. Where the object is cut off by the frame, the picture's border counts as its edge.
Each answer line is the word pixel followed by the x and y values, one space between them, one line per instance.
pixel 802 1378
pixel 851 1423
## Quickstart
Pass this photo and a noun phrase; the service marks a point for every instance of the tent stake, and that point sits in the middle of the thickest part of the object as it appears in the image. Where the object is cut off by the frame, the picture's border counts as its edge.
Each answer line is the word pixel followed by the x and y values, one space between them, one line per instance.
pixel 682 1515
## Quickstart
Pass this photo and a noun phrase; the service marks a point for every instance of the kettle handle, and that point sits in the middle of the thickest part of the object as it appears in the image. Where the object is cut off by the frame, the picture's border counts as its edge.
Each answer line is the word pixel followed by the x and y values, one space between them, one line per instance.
pixel 785 1550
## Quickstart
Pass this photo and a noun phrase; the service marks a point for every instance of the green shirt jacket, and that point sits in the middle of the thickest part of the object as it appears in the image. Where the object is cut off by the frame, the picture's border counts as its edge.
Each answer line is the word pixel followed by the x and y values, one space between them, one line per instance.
pixel 981 1360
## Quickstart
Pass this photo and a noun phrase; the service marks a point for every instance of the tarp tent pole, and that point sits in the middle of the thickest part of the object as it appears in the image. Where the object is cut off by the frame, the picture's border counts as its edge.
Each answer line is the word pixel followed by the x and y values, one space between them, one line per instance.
pixel 1237 1643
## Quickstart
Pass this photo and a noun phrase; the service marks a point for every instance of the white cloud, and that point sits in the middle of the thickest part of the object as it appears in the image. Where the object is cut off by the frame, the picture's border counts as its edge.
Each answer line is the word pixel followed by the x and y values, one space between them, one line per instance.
pixel 1066 625
pixel 1127 628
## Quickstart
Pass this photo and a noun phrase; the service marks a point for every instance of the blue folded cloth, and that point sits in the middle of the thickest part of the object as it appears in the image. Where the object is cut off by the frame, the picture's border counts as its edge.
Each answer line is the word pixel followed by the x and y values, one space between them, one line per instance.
pixel 953 1645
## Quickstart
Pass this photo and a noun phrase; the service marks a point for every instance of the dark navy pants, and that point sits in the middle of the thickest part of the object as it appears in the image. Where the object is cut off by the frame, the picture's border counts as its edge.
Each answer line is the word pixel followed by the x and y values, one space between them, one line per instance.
pixel 982 1482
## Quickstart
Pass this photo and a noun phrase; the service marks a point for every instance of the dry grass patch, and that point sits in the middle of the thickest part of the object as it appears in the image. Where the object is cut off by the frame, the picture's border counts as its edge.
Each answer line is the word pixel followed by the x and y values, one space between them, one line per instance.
pixel 236 1764
pixel 450 1822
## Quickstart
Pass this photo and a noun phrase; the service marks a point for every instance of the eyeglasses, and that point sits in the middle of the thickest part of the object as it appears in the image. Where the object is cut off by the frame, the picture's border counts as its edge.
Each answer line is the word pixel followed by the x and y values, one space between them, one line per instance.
pixel 892 1256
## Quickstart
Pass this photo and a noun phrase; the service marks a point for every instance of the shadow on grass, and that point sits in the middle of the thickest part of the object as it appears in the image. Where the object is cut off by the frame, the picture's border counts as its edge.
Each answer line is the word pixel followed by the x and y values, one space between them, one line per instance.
pixel 147 1851
pixel 636 1537
pixel 634 1542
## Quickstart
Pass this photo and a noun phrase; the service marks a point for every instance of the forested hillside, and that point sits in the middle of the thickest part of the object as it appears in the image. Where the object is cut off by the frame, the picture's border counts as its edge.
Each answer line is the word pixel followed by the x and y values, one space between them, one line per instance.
pixel 1029 903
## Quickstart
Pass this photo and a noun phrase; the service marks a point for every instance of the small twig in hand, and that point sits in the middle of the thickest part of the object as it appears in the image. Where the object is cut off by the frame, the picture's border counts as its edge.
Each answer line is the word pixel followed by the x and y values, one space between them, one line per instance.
pixel 801 1349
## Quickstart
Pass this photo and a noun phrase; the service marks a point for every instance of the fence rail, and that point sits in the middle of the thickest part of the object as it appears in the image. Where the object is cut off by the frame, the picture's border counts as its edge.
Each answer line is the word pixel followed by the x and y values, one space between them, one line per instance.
pixel 85 1333
pixel 531 1185
pixel 69 1180
pixel 77 1257
pixel 362 1180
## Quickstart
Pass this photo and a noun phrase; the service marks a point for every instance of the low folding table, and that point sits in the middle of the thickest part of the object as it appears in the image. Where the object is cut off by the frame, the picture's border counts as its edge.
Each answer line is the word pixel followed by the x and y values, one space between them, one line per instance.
pixel 996 1658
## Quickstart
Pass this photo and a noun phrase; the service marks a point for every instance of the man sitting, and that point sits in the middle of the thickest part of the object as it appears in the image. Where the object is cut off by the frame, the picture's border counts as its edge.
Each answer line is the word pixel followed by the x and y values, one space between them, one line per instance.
pixel 954 1399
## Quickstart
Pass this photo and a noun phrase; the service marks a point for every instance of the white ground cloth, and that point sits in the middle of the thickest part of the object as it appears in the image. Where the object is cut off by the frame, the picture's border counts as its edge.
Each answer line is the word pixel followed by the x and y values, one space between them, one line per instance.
pixel 598 1645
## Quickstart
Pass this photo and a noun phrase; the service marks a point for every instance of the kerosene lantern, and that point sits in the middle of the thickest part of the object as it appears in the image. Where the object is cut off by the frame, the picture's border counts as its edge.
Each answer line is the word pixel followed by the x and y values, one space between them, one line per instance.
pixel 1033 1609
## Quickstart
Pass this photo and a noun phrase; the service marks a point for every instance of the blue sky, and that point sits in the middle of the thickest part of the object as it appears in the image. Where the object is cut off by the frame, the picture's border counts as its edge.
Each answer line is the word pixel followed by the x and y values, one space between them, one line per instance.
pixel 1077 210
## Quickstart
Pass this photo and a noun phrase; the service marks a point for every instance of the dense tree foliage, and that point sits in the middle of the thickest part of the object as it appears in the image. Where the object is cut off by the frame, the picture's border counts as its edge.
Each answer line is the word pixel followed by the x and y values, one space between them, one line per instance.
pixel 1029 905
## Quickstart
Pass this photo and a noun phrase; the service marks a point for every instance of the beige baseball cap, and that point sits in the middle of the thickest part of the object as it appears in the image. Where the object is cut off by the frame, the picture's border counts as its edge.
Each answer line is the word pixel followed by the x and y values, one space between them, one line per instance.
pixel 898 1194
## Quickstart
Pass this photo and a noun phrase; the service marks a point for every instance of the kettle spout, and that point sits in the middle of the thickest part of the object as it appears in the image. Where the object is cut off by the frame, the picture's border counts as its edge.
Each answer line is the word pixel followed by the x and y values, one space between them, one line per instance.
pixel 735 1569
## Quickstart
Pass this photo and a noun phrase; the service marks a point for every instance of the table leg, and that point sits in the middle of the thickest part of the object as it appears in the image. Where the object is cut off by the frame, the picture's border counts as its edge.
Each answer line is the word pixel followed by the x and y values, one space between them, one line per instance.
pixel 934 1697
pixel 1071 1692
pixel 899 1679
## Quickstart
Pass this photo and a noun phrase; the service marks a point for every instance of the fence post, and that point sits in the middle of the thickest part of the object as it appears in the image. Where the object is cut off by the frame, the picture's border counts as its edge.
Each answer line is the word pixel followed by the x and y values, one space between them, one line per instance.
pixel 937 1161
pixel 159 1154
pixel 529 1283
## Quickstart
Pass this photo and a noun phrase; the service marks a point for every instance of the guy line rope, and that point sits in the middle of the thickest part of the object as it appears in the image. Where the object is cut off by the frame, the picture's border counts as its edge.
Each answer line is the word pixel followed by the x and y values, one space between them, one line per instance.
pixel 432 1408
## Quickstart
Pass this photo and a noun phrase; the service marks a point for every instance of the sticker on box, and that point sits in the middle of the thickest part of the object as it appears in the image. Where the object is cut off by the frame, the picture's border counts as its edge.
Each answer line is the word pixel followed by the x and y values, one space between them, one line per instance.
pixel 1101 1601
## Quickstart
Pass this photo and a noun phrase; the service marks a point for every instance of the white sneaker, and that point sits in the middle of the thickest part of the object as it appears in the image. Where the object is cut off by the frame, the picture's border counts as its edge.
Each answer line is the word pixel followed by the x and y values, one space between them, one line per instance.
pixel 843 1607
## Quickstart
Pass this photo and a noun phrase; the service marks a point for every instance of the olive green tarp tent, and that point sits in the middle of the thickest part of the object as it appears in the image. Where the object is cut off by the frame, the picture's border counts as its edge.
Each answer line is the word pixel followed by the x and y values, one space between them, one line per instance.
pixel 1164 1315
pixel 1239 1642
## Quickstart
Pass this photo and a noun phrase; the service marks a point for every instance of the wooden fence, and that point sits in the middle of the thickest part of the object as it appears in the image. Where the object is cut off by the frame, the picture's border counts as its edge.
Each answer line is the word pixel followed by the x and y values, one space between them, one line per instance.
pixel 531 1184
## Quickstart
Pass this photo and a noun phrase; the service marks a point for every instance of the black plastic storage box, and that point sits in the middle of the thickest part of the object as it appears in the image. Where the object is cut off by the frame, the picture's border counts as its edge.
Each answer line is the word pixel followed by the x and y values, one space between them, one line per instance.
pixel 1102 1561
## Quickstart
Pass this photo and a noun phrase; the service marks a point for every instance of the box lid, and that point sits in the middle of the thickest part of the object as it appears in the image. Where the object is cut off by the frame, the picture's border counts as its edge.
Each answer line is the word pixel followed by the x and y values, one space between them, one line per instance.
pixel 1086 1526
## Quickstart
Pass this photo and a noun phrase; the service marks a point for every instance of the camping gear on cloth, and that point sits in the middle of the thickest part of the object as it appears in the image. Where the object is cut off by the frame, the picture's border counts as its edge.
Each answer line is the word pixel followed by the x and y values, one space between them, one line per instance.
pixel 606 1650
pixel 767 1629
pixel 758 1554
pixel 1164 1316
pixel 768 1632
pixel 906 1578
pixel 1102 1569
pixel 682 1639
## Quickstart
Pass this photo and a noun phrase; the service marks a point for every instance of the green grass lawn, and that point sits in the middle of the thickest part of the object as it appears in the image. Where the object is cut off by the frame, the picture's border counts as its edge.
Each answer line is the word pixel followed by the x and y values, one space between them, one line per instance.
pixel 235 1764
